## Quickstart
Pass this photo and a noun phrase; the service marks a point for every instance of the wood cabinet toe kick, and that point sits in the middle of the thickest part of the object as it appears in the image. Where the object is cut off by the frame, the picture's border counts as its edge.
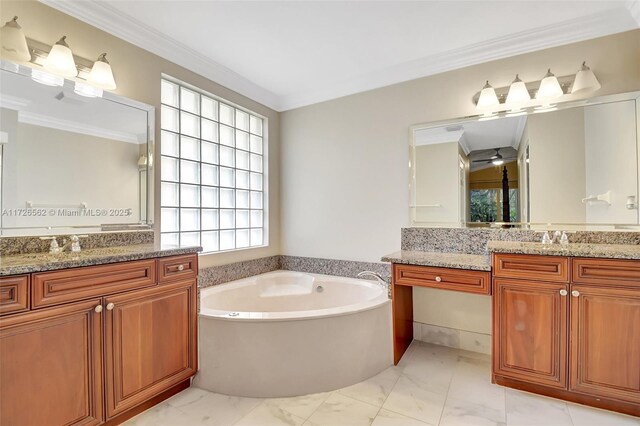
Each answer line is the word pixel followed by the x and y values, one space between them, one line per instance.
pixel 122 337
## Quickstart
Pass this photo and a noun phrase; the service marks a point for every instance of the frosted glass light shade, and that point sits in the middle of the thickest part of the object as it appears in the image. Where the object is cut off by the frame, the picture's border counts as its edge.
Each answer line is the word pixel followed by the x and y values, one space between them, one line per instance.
pixel 14 43
pixel 488 97
pixel 87 90
pixel 518 92
pixel 46 78
pixel 60 60
pixel 549 87
pixel 585 80
pixel 101 74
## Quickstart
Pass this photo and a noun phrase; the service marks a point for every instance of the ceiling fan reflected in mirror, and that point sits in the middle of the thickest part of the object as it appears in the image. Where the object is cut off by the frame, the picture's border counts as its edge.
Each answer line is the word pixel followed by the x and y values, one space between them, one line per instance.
pixel 496 159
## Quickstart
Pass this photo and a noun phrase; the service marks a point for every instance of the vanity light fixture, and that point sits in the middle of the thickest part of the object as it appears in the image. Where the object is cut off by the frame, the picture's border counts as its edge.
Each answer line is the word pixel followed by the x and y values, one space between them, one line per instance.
pixel 585 80
pixel 488 97
pixel 101 74
pixel 87 90
pixel 60 60
pixel 518 93
pixel 549 87
pixel 14 42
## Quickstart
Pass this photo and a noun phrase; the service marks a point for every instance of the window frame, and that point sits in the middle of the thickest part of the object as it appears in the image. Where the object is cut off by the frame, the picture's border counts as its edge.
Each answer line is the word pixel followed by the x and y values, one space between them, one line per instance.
pixel 178 157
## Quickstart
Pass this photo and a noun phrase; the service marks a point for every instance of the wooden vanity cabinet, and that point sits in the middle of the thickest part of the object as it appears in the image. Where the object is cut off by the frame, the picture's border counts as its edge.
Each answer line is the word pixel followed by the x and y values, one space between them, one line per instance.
pixel 51 370
pixel 573 336
pixel 148 349
pixel 530 317
pixel 101 359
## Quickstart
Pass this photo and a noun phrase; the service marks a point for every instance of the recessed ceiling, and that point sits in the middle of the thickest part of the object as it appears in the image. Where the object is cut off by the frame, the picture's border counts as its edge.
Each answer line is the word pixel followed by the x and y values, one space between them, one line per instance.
pixel 287 54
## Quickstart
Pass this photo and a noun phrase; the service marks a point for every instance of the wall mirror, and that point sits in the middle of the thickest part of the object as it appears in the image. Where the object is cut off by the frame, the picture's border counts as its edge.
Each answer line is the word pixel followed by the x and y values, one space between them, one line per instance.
pixel 70 161
pixel 574 164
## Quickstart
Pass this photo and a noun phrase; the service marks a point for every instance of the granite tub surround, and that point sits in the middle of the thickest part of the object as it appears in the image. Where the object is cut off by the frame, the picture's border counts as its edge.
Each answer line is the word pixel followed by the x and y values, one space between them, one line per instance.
pixel 608 251
pixel 477 262
pixel 474 240
pixel 215 275
pixel 37 262
pixel 33 244
pixel 340 268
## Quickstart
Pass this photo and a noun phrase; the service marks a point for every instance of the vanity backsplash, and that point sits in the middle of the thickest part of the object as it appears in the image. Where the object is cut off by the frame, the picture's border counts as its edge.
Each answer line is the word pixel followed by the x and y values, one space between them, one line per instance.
pixel 34 244
pixel 474 241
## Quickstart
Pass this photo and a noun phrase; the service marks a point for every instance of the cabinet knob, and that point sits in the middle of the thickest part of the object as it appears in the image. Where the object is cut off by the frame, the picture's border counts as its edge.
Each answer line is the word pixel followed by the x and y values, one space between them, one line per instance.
pixel 563 292
pixel 575 293
pixel 439 279
pixel 110 306
pixel 180 267
pixel 98 308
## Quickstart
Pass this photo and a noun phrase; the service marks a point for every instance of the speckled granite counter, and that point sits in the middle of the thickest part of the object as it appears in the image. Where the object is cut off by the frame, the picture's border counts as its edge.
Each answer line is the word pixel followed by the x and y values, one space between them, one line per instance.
pixel 36 262
pixel 476 262
pixel 610 251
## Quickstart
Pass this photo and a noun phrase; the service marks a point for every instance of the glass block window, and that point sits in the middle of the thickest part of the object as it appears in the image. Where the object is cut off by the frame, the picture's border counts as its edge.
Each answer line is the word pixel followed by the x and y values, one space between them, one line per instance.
pixel 212 172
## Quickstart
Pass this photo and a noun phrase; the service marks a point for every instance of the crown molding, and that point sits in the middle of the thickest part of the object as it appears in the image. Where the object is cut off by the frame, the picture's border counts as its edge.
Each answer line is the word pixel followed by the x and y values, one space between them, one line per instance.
pixel 561 33
pixel 76 127
pixel 106 18
pixel 633 6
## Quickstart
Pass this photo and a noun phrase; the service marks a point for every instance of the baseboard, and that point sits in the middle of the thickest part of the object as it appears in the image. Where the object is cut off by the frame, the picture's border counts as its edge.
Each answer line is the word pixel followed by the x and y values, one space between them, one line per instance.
pixel 452 337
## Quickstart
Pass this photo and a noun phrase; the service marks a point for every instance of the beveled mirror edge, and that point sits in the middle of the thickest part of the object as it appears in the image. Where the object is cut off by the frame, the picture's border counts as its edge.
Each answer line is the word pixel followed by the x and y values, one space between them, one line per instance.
pixel 596 100
pixel 149 110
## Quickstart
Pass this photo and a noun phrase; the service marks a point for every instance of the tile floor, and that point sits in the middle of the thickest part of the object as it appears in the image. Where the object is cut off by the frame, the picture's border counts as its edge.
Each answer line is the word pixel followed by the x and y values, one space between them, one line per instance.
pixel 432 385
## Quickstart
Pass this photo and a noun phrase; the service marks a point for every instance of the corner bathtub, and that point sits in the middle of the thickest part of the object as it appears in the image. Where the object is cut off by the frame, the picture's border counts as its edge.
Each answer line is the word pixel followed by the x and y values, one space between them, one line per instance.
pixel 285 333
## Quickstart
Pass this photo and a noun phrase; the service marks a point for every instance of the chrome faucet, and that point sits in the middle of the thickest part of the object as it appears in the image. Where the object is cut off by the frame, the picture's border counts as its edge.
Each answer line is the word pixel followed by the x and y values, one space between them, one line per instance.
pixel 73 244
pixel 375 275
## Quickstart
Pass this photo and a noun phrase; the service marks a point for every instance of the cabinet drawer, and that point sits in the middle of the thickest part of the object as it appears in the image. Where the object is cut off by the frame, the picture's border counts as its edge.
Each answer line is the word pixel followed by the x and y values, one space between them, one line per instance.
pixel 177 268
pixel 51 288
pixel 620 273
pixel 533 267
pixel 14 294
pixel 443 278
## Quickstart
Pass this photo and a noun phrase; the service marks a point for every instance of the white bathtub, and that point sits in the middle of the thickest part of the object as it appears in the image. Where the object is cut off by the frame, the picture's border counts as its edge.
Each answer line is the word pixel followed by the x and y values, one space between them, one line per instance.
pixel 287 333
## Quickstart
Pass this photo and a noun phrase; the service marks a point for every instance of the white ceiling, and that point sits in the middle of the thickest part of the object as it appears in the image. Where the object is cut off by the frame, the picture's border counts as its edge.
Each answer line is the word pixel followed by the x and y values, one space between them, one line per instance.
pixel 287 54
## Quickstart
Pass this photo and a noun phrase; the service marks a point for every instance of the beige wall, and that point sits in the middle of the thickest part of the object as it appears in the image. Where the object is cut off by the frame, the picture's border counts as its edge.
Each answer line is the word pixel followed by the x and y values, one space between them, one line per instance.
pixel 344 162
pixel 436 168
pixel 69 169
pixel 557 166
pixel 138 74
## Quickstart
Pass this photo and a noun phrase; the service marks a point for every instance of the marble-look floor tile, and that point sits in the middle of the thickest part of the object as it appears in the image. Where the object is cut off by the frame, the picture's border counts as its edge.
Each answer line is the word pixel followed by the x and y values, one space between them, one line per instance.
pixel 464 413
pixel 471 382
pixel 376 389
pixel 416 399
pixel 389 418
pixel 162 414
pixel 300 406
pixel 269 415
pixel 581 415
pixel 526 409
pixel 340 410
pixel 207 408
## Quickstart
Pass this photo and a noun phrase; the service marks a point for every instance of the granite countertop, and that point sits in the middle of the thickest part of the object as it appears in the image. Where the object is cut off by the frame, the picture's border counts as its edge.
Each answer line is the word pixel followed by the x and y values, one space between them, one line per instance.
pixel 610 251
pixel 476 262
pixel 36 262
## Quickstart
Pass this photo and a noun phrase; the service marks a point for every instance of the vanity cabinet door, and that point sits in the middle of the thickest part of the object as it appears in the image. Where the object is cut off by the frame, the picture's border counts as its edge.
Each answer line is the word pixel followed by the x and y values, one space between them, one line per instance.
pixel 150 343
pixel 530 331
pixel 605 342
pixel 51 369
